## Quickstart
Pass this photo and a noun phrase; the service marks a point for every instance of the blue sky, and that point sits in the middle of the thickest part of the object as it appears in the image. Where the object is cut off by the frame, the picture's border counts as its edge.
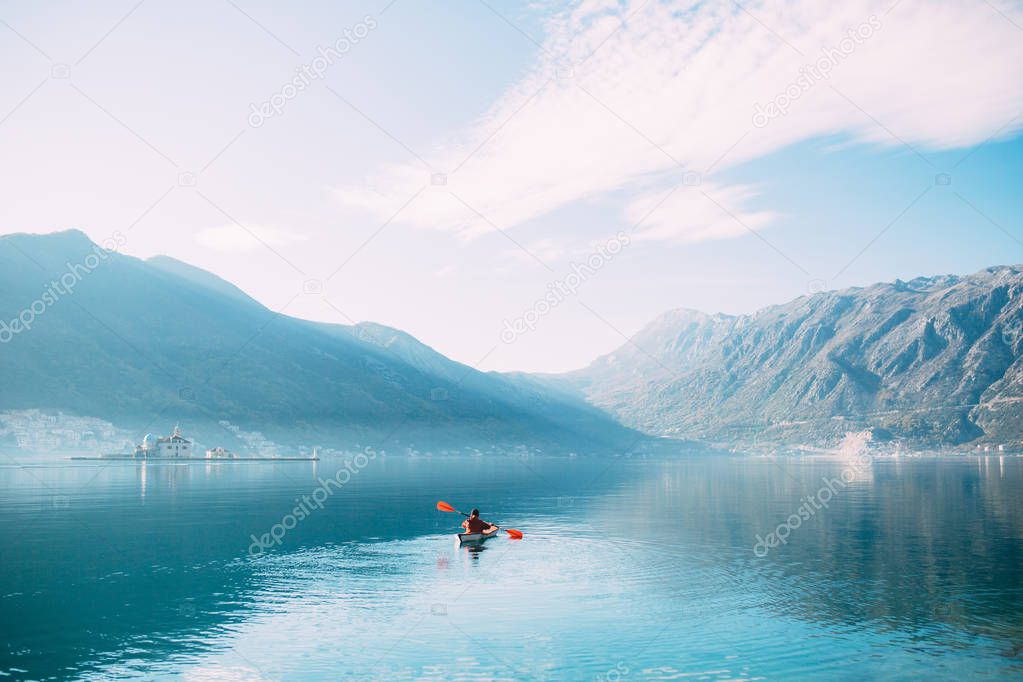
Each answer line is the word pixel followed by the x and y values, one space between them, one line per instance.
pixel 556 126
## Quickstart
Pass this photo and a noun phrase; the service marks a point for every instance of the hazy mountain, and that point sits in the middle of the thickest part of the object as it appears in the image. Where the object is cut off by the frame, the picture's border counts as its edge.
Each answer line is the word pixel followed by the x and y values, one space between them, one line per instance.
pixel 933 361
pixel 519 391
pixel 145 344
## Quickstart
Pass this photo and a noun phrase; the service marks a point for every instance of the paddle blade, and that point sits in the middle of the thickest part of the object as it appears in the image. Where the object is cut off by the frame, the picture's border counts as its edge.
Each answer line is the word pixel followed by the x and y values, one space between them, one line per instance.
pixel 513 534
pixel 444 506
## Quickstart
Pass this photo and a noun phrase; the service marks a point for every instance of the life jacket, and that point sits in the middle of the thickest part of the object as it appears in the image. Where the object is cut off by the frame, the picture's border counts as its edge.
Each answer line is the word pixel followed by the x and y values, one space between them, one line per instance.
pixel 477 525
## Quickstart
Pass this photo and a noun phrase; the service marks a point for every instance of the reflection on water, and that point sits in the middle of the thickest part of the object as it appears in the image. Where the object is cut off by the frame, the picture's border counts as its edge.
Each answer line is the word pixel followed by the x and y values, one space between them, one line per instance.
pixel 630 569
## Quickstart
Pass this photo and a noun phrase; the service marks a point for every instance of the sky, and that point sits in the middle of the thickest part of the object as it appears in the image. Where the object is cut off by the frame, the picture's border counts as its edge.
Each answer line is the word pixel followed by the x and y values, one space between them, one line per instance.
pixel 521 185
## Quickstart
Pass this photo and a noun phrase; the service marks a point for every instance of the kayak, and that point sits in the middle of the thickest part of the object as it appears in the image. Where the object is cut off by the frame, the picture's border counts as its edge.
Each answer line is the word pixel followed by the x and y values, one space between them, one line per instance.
pixel 465 538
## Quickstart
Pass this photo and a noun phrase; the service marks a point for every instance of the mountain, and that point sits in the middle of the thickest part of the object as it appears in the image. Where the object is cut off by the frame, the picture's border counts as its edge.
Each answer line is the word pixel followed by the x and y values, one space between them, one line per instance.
pixel 517 391
pixel 932 361
pixel 145 344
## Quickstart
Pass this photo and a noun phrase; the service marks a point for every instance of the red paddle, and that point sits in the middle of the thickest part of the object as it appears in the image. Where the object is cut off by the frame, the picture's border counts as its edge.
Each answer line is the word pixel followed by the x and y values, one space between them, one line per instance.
pixel 445 507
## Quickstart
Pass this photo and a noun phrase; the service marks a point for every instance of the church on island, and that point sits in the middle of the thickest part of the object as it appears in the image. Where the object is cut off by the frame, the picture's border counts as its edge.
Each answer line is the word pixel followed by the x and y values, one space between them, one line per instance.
pixel 174 445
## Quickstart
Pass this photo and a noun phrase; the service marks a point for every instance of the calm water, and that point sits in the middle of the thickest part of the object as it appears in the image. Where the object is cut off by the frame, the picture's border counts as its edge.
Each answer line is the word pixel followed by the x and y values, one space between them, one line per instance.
pixel 630 569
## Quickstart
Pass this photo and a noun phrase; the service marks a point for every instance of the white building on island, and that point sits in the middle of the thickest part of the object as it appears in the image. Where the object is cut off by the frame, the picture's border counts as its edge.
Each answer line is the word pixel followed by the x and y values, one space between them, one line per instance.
pixel 174 445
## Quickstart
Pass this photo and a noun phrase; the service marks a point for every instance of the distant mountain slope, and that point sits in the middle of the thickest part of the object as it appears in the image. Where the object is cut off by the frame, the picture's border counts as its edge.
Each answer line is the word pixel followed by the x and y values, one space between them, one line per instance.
pixel 144 344
pixel 521 391
pixel 934 361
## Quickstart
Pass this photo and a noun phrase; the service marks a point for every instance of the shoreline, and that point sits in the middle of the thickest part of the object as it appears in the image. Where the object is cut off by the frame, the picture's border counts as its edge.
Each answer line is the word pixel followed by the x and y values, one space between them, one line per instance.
pixel 144 460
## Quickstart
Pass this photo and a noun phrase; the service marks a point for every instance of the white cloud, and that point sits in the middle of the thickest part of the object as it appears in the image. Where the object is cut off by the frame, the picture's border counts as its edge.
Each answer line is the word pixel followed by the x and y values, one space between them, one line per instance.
pixel 695 214
pixel 233 238
pixel 674 89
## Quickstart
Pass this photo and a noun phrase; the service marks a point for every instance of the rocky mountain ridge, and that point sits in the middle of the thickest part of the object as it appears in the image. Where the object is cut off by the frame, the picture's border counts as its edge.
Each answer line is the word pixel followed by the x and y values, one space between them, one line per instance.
pixel 935 361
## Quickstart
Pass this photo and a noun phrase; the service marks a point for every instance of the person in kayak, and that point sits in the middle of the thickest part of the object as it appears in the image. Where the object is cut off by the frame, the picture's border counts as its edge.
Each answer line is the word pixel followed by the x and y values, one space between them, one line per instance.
pixel 474 524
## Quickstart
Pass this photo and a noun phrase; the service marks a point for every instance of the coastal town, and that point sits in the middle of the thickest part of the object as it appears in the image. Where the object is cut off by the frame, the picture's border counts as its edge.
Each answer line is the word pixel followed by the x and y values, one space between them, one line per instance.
pixel 57 432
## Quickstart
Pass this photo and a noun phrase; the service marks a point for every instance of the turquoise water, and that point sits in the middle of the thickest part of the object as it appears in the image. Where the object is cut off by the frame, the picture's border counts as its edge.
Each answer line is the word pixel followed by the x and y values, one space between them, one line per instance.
pixel 630 569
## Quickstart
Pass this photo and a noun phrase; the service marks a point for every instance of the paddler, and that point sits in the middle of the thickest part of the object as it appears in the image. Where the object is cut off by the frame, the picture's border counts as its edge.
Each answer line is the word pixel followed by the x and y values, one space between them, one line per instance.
pixel 474 524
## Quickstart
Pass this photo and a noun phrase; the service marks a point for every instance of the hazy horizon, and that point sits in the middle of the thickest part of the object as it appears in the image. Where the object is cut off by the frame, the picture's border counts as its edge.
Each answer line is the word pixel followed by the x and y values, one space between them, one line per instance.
pixel 588 361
